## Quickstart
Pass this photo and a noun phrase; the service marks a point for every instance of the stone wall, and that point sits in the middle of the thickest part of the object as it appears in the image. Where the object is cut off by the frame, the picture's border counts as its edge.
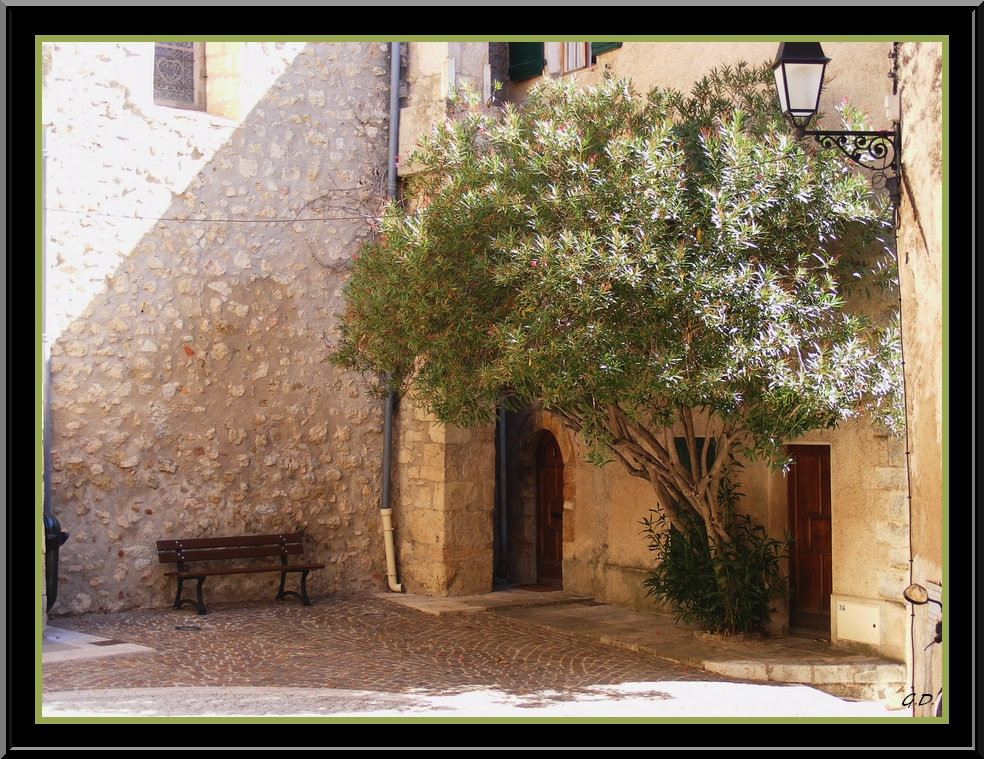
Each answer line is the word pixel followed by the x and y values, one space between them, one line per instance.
pixel 446 488
pixel 193 270
pixel 444 477
pixel 922 277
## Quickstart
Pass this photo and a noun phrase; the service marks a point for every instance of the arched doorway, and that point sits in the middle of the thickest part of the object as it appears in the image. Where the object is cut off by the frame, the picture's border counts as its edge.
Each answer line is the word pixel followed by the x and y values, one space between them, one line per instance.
pixel 550 510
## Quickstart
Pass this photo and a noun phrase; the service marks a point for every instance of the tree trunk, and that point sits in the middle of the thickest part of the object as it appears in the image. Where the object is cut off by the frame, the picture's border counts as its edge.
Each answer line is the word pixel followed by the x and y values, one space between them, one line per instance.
pixel 651 454
pixel 648 451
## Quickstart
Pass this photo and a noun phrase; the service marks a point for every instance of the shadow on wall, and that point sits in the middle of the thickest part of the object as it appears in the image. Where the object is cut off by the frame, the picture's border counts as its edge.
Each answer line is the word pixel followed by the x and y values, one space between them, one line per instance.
pixel 193 270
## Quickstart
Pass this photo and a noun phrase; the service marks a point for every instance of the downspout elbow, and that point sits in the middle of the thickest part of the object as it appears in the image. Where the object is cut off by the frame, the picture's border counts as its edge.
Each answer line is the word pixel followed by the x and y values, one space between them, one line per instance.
pixel 386 511
pixel 387 515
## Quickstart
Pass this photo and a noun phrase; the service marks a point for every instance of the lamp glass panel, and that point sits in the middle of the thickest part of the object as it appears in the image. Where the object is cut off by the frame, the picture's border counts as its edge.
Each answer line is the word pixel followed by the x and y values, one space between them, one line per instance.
pixel 802 88
pixel 781 87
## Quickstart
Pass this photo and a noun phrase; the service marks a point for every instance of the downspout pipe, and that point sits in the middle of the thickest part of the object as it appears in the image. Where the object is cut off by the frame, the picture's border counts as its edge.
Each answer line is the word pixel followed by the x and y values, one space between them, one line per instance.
pixel 386 511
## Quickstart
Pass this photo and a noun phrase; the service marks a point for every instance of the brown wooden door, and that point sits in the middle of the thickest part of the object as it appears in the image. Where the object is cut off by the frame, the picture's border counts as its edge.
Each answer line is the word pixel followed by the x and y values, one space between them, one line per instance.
pixel 550 509
pixel 809 522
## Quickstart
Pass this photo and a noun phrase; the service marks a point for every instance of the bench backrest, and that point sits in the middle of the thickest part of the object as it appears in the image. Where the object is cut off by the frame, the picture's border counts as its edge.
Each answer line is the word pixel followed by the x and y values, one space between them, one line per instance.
pixel 230 547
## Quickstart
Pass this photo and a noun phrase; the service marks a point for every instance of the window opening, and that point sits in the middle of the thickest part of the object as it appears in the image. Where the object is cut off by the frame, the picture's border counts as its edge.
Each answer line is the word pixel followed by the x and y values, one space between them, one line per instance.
pixel 179 74
pixel 575 55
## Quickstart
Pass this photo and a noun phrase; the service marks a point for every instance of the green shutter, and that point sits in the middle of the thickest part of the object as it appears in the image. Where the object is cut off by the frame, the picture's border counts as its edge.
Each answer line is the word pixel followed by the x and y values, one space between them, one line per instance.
pixel 525 60
pixel 603 47
pixel 684 455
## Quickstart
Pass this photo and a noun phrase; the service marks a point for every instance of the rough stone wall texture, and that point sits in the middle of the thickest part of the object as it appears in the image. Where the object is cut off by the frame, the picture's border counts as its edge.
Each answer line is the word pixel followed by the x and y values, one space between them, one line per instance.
pixel 444 477
pixel 445 480
pixel 921 274
pixel 193 270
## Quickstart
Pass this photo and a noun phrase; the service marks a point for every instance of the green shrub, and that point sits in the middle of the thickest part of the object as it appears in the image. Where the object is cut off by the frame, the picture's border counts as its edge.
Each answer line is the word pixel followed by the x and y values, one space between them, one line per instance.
pixel 728 589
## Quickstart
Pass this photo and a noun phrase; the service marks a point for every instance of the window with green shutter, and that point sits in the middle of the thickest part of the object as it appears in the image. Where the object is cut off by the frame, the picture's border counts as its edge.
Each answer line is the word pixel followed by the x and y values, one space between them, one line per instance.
pixel 603 47
pixel 525 60
pixel 684 455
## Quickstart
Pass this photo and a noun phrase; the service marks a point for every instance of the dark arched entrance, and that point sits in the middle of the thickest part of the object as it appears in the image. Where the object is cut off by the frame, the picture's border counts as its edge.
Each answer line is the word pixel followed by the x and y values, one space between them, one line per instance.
pixel 550 510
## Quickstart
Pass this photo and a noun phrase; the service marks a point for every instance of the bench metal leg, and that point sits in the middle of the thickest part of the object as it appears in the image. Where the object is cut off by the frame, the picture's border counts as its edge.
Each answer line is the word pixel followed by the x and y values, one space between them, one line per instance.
pixel 177 597
pixel 201 604
pixel 179 601
pixel 282 592
pixel 303 593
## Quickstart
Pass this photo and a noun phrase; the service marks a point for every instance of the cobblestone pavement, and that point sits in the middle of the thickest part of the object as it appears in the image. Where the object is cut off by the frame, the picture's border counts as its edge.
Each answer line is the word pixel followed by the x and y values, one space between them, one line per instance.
pixel 280 675
pixel 360 643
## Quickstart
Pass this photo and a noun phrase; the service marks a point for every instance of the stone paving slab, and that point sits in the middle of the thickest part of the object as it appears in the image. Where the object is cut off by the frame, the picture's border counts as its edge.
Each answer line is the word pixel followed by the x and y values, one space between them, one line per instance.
pixel 65 645
pixel 778 658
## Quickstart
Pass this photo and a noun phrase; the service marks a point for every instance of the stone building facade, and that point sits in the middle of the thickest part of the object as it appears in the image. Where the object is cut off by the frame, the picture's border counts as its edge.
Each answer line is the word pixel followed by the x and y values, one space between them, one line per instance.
pixel 603 553
pixel 193 260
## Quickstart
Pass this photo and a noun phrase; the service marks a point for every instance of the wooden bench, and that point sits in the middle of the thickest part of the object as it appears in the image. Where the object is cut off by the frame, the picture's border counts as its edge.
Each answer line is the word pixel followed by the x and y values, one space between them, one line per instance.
pixel 215 553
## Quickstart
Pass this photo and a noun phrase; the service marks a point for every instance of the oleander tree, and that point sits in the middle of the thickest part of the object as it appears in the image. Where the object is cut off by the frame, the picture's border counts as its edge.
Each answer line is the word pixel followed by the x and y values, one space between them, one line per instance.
pixel 644 266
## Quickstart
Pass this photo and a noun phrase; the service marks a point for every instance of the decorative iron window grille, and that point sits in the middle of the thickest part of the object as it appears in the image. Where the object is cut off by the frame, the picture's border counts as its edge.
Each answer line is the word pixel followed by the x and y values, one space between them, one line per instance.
pixel 176 75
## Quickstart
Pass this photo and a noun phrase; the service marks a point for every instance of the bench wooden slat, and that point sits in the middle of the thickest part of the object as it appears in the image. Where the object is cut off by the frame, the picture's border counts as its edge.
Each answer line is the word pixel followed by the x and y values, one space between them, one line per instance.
pixel 232 540
pixel 235 552
pixel 191 573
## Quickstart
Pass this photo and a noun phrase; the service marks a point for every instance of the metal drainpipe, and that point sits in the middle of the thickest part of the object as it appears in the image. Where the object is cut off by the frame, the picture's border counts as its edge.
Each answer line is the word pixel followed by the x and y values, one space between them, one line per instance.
pixel 386 512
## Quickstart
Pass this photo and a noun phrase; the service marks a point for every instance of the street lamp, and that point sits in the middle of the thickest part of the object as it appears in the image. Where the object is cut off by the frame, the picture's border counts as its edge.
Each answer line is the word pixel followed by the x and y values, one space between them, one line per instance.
pixel 799 69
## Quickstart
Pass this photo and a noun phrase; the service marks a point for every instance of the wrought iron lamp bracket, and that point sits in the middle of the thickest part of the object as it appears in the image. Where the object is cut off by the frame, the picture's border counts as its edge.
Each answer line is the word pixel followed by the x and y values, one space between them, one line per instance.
pixel 875 151
pixel 872 150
